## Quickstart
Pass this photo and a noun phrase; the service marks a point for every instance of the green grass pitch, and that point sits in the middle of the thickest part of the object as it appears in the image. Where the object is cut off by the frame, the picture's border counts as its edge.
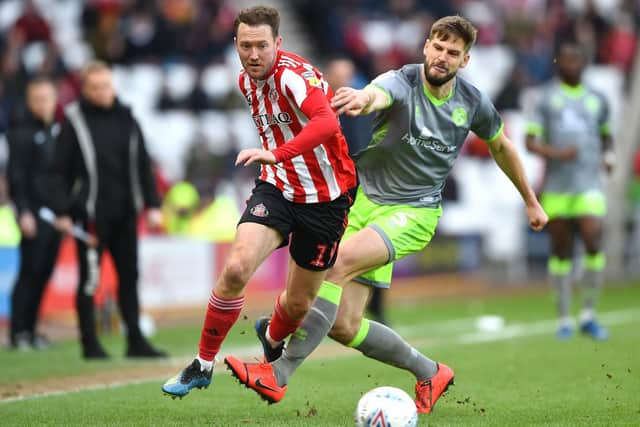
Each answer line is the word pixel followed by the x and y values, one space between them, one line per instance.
pixel 517 376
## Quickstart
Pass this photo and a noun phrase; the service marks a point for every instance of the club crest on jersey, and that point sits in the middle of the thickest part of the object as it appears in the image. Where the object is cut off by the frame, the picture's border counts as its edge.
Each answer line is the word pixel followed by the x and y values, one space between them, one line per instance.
pixel 273 95
pixel 459 116
pixel 249 98
pixel 260 210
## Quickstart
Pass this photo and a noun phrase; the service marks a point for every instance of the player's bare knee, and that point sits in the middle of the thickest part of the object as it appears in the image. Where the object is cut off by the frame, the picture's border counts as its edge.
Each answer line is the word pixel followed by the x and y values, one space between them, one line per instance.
pixel 343 331
pixel 339 273
pixel 235 274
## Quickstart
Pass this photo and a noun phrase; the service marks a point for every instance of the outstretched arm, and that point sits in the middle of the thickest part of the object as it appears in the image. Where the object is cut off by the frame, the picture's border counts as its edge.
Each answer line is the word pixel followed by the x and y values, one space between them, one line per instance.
pixel 354 102
pixel 506 156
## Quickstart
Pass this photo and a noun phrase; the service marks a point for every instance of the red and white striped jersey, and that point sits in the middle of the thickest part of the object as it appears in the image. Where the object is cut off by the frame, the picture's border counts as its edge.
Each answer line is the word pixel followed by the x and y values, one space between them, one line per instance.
pixel 317 172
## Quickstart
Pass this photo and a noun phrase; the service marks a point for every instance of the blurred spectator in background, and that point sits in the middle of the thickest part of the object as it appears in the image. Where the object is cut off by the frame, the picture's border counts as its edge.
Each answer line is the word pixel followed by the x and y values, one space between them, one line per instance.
pixel 218 218
pixel 9 229
pixel 31 138
pixel 28 50
pixel 179 206
pixel 569 128
pixel 341 72
pixel 102 177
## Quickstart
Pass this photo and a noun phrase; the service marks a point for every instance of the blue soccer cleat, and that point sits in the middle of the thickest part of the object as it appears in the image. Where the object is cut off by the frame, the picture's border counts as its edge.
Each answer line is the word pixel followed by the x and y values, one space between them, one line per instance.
pixel 564 332
pixel 270 353
pixel 593 329
pixel 193 376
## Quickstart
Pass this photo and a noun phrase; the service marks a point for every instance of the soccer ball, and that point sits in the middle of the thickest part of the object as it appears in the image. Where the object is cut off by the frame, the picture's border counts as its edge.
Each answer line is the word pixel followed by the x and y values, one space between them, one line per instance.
pixel 386 406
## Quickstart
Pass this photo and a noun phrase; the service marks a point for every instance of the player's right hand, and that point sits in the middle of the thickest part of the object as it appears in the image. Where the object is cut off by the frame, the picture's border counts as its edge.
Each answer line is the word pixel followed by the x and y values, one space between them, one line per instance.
pixel 538 218
pixel 255 155
pixel 64 224
pixel 350 101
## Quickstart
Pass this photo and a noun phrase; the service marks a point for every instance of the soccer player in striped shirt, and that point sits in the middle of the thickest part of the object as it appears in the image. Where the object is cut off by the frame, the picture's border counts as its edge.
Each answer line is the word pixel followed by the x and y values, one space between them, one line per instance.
pixel 424 113
pixel 301 196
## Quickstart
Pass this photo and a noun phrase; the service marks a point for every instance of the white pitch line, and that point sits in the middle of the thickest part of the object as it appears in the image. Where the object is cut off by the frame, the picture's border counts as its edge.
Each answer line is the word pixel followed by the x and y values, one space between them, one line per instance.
pixel 463 325
pixel 245 351
pixel 542 327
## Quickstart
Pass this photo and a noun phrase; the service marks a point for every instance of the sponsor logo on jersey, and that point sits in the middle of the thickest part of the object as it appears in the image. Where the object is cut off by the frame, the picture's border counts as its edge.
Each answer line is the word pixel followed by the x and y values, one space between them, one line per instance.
pixel 260 210
pixel 426 140
pixel 272 119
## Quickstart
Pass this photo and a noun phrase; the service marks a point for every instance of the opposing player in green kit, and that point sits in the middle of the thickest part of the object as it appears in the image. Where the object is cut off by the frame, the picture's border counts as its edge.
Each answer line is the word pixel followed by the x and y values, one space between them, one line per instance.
pixel 423 115
pixel 569 128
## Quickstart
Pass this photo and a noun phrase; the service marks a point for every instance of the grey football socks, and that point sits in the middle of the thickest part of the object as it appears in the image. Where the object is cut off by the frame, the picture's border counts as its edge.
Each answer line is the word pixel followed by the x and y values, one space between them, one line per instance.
pixel 382 343
pixel 310 333
pixel 592 284
pixel 560 273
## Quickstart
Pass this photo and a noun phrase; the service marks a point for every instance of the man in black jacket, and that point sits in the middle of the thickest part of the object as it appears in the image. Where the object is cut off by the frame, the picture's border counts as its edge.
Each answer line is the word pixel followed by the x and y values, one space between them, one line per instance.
pixel 31 139
pixel 102 178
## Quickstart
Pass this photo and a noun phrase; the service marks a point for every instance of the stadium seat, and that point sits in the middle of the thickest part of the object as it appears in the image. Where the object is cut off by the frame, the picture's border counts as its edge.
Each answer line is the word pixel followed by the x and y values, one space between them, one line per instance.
pixel 217 81
pixel 214 126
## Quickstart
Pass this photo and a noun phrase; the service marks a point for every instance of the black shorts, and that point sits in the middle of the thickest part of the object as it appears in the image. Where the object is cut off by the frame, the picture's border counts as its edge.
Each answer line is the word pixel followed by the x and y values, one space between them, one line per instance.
pixel 315 228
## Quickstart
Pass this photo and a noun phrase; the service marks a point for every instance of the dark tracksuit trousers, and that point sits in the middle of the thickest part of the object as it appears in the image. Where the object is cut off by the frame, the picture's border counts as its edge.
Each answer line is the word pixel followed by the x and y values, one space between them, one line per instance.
pixel 119 237
pixel 37 259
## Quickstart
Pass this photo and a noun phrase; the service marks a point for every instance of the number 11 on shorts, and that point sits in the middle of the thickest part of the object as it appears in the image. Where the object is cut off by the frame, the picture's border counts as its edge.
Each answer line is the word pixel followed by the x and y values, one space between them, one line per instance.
pixel 320 261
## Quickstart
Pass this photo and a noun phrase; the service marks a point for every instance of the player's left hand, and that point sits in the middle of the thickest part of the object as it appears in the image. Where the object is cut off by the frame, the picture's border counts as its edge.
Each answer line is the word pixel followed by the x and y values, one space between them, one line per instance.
pixel 608 161
pixel 255 155
pixel 537 217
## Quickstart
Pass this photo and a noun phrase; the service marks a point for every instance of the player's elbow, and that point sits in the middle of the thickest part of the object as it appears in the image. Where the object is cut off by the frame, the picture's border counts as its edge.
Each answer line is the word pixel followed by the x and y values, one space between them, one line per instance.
pixel 332 124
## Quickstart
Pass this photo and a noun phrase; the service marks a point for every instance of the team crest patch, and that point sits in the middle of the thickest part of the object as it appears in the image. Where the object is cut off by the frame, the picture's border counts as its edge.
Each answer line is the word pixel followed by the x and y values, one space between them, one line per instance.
pixel 259 210
pixel 273 95
pixel 459 116
pixel 248 98
pixel 592 104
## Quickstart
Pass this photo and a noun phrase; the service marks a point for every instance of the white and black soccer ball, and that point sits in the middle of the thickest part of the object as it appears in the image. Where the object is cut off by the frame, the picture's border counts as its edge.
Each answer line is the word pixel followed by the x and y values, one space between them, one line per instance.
pixel 386 407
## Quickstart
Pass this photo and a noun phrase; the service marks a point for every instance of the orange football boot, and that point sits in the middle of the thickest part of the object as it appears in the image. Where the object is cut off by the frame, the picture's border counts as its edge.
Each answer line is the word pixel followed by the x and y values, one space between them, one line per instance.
pixel 428 391
pixel 257 376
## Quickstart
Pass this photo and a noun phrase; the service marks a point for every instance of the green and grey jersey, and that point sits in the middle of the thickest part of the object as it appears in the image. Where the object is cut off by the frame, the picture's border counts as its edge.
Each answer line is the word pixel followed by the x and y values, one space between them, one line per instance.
pixel 417 138
pixel 567 116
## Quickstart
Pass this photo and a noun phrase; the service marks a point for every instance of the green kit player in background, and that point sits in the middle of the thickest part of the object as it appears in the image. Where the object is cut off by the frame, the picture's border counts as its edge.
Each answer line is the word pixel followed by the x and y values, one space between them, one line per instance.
pixel 423 115
pixel 569 128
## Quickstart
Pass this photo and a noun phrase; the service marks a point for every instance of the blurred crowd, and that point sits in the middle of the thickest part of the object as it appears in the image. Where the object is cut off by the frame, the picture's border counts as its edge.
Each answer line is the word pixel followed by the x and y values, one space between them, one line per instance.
pixel 384 34
pixel 174 61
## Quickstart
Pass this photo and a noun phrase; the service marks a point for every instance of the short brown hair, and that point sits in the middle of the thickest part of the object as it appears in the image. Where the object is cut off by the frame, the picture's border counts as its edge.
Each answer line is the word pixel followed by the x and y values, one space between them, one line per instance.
pixel 92 67
pixel 258 15
pixel 455 26
pixel 40 79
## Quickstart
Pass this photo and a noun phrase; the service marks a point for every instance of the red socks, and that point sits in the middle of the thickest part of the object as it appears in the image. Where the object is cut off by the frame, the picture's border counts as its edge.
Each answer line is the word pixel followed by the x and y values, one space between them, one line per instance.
pixel 281 325
pixel 222 313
